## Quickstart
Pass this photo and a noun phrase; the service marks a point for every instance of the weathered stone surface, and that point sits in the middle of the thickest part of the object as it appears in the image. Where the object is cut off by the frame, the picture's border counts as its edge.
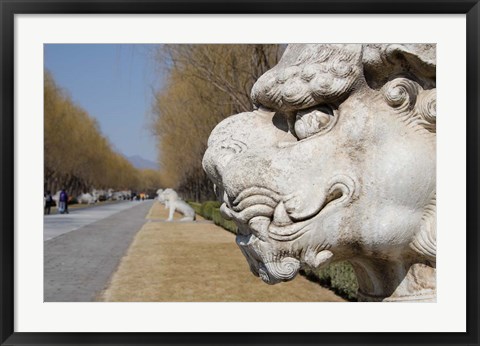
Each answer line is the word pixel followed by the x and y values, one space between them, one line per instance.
pixel 337 163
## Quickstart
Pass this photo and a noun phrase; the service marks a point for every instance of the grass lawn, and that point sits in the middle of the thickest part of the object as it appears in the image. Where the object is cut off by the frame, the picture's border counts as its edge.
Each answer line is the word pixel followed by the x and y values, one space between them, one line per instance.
pixel 196 262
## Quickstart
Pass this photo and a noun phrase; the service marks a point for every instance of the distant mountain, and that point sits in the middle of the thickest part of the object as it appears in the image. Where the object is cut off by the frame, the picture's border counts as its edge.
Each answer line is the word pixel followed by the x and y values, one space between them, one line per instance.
pixel 139 162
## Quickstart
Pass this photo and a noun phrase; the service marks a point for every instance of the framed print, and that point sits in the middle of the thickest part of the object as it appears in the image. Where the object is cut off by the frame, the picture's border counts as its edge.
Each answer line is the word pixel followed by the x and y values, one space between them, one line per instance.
pixel 299 117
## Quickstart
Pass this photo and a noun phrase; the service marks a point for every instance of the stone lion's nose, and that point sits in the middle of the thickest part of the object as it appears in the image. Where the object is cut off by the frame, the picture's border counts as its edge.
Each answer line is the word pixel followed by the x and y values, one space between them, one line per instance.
pixel 280 216
pixel 237 133
pixel 217 158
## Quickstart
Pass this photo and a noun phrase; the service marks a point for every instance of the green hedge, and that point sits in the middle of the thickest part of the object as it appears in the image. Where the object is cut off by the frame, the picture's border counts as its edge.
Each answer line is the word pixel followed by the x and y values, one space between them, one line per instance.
pixel 210 210
pixel 218 219
pixel 339 277
pixel 197 207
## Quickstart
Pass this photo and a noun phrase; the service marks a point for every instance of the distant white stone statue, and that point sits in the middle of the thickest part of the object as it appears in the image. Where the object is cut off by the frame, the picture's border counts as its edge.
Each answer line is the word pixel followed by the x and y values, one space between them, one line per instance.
pixel 101 195
pixel 162 198
pixel 117 196
pixel 86 198
pixel 56 197
pixel 121 195
pixel 171 200
pixel 337 163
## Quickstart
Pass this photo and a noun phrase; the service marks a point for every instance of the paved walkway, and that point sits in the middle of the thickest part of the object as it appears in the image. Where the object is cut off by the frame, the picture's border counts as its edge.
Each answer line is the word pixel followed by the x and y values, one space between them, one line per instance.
pixel 85 247
pixel 58 224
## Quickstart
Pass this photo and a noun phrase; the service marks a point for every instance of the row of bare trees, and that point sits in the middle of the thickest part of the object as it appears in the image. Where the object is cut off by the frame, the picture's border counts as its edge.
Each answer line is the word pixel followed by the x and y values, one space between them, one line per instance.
pixel 77 156
pixel 205 84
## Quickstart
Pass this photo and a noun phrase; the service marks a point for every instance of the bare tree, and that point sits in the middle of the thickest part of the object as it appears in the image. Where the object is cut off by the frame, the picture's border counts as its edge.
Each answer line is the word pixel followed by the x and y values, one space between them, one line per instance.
pixel 76 155
pixel 205 84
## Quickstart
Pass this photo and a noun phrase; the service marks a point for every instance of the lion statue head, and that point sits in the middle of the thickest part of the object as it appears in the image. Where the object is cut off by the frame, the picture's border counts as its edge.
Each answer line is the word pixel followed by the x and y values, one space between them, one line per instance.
pixel 337 163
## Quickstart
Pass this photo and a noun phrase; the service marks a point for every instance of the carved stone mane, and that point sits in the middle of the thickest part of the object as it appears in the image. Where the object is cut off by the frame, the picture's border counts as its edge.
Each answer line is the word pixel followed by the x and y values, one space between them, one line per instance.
pixel 337 163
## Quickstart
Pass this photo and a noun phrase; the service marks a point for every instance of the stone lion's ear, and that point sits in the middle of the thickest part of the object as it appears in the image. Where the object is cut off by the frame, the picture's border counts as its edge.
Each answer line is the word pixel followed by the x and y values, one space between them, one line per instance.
pixel 384 62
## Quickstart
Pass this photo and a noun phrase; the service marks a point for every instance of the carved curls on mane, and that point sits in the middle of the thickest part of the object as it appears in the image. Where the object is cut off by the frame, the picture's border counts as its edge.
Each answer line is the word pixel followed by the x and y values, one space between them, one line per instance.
pixel 416 107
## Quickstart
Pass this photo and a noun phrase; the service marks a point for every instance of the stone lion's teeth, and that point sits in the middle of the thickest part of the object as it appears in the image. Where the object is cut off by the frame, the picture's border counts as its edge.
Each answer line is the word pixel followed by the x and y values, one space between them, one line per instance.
pixel 280 216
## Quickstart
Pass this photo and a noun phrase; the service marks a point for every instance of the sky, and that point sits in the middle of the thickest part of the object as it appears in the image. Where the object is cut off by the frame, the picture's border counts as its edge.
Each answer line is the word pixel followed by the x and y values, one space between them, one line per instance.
pixel 115 84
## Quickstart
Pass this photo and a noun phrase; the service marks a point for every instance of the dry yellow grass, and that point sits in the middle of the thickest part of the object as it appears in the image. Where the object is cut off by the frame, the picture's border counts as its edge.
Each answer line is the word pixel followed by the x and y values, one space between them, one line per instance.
pixel 196 262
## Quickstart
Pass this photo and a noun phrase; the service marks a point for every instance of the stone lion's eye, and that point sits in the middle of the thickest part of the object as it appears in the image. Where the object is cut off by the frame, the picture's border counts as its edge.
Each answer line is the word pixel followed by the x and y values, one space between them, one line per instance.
pixel 312 121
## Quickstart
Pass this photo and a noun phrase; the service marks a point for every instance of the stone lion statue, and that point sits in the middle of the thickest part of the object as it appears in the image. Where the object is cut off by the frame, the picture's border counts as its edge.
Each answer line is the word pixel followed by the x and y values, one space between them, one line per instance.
pixel 337 163
pixel 173 202
pixel 86 198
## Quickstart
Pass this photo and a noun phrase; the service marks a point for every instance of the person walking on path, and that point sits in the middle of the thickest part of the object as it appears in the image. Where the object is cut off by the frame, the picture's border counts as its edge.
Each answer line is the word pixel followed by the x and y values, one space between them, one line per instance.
pixel 67 199
pixel 63 202
pixel 48 203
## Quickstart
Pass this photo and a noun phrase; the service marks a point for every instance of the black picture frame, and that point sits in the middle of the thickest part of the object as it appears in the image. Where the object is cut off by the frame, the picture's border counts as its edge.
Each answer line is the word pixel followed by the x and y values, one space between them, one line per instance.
pixel 9 8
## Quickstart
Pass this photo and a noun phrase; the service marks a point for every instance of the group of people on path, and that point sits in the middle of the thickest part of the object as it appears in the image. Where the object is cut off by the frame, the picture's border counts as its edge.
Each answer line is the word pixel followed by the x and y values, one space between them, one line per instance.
pixel 62 202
